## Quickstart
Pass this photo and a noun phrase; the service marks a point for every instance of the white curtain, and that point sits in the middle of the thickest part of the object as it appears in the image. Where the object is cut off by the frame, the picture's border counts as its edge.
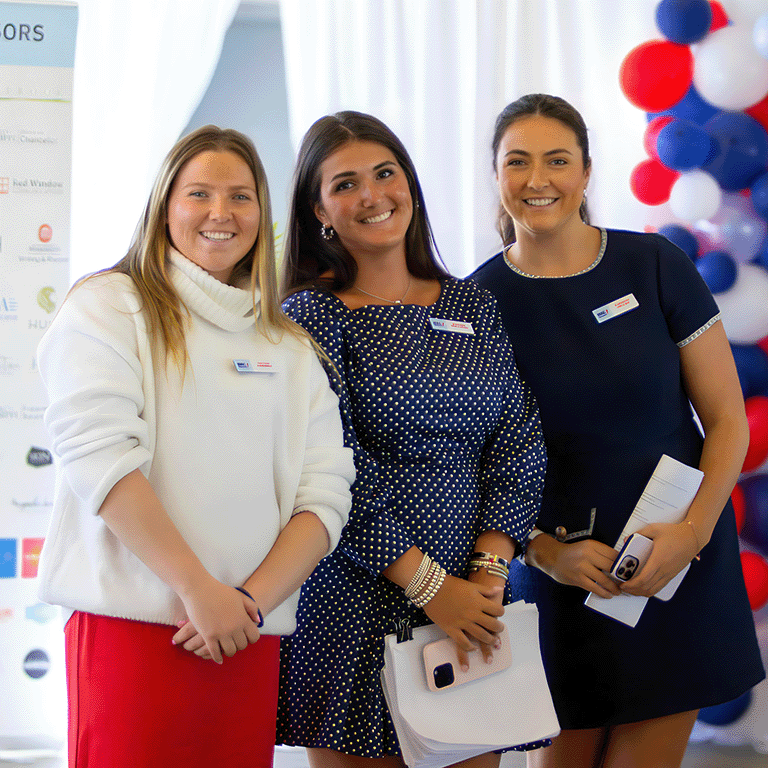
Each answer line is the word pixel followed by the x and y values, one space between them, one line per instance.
pixel 141 68
pixel 439 71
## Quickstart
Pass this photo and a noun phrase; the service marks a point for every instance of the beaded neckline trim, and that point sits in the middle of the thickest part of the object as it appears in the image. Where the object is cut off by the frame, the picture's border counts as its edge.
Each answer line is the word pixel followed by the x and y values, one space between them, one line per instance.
pixel 603 242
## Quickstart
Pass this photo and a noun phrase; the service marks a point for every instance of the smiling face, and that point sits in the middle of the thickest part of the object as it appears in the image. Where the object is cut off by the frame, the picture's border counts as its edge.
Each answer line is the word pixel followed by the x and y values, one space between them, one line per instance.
pixel 365 197
pixel 541 175
pixel 213 212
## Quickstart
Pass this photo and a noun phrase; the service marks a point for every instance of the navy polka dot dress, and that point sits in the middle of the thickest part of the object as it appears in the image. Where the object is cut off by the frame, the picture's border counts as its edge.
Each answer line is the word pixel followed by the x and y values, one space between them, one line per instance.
pixel 447 444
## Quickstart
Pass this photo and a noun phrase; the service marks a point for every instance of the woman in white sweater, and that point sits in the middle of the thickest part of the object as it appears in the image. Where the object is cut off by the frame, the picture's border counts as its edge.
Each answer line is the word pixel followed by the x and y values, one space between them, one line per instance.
pixel 201 474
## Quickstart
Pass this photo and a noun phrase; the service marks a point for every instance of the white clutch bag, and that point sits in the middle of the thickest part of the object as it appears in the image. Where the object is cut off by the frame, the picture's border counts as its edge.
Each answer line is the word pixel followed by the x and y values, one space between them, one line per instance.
pixel 509 707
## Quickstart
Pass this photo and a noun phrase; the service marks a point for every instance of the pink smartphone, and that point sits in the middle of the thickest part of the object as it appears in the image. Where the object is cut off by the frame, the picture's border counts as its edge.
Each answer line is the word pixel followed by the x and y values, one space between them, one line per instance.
pixel 442 666
pixel 632 557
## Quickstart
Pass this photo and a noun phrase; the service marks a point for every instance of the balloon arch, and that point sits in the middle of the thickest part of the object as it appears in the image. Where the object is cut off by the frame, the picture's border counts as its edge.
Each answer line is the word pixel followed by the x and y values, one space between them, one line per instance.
pixel 704 87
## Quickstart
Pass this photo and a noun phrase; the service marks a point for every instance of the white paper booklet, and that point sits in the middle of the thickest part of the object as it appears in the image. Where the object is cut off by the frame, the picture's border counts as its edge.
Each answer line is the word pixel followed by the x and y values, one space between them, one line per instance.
pixel 437 729
pixel 666 499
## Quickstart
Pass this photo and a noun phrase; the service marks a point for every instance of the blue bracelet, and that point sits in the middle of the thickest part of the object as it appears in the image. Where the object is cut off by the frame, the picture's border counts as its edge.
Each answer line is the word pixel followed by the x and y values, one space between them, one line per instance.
pixel 248 594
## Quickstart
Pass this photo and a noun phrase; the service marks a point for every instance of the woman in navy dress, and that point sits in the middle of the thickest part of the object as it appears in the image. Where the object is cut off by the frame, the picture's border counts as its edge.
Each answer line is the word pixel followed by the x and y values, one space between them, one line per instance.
pixel 614 396
pixel 447 441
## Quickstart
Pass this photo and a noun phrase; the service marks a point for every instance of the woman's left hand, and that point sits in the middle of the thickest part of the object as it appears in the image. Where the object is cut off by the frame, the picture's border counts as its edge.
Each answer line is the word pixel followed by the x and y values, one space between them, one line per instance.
pixel 674 546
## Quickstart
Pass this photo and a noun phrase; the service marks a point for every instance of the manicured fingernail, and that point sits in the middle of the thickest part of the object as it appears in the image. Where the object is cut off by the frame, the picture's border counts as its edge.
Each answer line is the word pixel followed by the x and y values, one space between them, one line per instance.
pixel 489 659
pixel 465 667
pixel 497 644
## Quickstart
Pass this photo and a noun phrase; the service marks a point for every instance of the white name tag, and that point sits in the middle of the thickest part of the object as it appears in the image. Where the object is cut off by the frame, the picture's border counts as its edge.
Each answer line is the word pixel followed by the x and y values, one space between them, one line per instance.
pixel 454 326
pixel 615 308
pixel 246 366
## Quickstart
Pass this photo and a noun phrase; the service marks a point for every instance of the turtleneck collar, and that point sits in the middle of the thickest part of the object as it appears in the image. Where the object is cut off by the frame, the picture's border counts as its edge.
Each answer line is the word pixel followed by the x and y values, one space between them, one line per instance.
pixel 224 305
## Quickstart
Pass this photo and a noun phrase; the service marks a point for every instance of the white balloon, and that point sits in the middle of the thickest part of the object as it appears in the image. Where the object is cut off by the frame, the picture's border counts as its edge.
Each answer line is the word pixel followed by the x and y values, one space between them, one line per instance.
pixel 760 36
pixel 743 12
pixel 744 306
pixel 695 195
pixel 728 71
pixel 735 228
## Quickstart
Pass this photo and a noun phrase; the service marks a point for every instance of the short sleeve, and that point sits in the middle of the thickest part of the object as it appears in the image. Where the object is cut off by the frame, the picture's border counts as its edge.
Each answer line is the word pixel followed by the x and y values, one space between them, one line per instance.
pixel 686 301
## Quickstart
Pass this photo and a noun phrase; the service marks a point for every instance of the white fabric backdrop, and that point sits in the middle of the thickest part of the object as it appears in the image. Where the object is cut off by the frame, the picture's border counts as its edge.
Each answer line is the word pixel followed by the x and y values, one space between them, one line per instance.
pixel 439 71
pixel 141 68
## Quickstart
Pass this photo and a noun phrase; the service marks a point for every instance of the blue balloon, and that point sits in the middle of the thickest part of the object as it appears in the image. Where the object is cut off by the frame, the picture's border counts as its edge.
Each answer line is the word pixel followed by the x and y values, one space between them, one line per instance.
pixel 691 107
pixel 760 195
pixel 684 21
pixel 755 530
pixel 718 269
pixel 743 154
pixel 682 238
pixel 682 145
pixel 752 367
pixel 725 714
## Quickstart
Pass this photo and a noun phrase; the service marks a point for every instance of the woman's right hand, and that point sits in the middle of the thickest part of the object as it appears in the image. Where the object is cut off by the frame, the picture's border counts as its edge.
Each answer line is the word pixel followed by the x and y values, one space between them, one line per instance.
pixel 465 612
pixel 220 621
pixel 582 564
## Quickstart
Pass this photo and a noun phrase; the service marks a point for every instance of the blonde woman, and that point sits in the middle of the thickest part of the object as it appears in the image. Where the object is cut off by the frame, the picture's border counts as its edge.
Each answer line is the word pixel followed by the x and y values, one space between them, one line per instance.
pixel 201 474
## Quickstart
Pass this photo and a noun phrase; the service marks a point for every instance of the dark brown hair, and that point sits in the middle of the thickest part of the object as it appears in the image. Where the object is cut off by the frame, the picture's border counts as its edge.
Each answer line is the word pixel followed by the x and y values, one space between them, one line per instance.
pixel 307 254
pixel 546 106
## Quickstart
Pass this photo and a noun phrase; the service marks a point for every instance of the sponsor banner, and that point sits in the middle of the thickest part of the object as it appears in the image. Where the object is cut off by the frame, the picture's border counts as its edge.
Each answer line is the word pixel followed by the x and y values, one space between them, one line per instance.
pixel 37 49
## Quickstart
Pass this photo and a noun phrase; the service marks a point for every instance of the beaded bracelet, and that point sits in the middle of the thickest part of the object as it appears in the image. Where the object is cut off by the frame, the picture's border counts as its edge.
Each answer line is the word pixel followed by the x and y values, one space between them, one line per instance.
pixel 437 576
pixel 416 582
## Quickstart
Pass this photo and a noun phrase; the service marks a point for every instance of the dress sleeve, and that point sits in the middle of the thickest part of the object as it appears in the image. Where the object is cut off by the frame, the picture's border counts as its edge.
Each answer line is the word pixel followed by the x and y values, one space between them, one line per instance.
pixel 328 469
pixel 372 538
pixel 90 366
pixel 686 301
pixel 514 460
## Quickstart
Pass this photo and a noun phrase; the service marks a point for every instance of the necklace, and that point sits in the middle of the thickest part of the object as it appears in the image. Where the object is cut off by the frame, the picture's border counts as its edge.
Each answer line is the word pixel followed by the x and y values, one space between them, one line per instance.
pixel 381 298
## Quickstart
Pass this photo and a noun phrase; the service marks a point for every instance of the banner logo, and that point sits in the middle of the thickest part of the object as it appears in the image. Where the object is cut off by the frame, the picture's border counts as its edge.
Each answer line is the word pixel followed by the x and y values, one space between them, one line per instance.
pixel 37 663
pixel 39 457
pixel 44 300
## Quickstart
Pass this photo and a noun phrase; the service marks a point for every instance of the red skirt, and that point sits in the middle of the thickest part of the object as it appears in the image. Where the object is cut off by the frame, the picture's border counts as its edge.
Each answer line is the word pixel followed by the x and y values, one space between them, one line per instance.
pixel 138 701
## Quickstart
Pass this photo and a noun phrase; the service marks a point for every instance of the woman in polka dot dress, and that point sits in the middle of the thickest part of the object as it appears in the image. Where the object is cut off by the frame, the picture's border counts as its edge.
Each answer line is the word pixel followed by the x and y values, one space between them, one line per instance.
pixel 447 442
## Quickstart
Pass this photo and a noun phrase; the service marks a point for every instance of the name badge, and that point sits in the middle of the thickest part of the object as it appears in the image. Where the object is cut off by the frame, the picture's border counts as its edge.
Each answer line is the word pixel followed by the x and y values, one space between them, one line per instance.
pixel 246 366
pixel 454 326
pixel 615 308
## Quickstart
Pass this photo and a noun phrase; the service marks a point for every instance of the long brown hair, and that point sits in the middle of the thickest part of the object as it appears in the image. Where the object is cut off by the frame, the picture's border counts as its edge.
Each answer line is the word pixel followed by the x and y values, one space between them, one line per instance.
pixel 547 106
pixel 146 262
pixel 307 254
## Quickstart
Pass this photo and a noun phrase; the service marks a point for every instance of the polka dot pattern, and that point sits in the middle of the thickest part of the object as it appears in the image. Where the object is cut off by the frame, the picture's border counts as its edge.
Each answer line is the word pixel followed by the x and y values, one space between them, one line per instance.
pixel 447 444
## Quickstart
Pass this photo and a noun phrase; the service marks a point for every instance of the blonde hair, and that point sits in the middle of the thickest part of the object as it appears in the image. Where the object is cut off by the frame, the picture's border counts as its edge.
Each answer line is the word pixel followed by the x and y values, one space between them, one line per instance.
pixel 146 262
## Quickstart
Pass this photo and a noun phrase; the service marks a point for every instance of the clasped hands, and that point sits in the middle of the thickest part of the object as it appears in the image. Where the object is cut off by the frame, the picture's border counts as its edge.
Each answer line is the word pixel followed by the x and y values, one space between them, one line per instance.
pixel 221 621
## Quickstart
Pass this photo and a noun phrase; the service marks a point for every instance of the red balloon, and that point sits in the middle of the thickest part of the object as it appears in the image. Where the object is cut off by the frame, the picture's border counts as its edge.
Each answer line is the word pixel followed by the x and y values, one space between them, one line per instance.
pixel 756 579
pixel 719 16
pixel 759 112
pixel 656 74
pixel 651 182
pixel 763 344
pixel 757 418
pixel 652 133
pixel 739 506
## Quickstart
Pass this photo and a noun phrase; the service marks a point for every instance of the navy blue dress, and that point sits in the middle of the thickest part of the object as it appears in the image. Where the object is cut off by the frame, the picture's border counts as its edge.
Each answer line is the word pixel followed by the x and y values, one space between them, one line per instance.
pixel 447 444
pixel 612 402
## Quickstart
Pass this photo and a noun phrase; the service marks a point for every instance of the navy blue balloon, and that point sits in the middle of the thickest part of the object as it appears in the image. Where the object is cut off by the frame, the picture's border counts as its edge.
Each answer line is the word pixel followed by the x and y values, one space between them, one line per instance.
pixel 752 367
pixel 718 269
pixel 755 530
pixel 684 21
pixel 760 195
pixel 725 714
pixel 743 154
pixel 682 238
pixel 682 145
pixel 691 107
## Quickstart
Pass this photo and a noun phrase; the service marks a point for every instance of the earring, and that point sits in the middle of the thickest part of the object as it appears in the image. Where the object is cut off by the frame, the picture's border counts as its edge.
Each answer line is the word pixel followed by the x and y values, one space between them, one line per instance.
pixel 326 232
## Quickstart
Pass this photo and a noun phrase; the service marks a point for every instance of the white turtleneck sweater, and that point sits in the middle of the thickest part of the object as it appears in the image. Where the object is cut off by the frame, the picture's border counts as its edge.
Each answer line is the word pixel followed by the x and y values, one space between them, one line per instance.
pixel 232 455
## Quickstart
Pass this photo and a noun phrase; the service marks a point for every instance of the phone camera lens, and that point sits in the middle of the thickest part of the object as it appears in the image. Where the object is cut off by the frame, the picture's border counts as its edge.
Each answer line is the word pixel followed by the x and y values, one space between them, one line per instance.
pixel 443 675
